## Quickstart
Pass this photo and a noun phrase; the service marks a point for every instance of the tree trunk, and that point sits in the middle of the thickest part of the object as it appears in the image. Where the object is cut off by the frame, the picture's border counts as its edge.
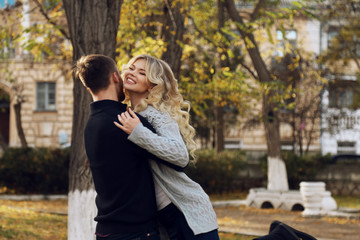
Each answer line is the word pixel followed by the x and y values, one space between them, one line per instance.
pixel 20 130
pixel 219 129
pixel 93 28
pixel 3 144
pixel 173 31
pixel 219 112
pixel 277 177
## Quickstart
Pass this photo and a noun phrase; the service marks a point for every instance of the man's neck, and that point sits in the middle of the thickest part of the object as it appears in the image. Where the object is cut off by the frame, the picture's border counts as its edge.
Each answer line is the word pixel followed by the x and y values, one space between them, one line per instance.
pixel 105 95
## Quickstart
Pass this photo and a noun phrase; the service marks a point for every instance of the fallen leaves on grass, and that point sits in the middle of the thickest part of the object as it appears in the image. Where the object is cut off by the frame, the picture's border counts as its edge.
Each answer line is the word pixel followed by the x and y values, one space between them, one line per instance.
pixel 342 220
pixel 19 221
pixel 232 236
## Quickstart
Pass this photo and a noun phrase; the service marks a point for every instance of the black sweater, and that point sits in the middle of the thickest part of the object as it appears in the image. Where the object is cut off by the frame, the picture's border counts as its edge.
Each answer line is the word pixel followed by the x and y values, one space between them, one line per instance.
pixel 121 172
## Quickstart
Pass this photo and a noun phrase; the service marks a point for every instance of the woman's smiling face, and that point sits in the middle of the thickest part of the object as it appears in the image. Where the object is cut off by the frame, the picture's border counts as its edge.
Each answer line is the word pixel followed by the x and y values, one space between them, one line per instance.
pixel 135 80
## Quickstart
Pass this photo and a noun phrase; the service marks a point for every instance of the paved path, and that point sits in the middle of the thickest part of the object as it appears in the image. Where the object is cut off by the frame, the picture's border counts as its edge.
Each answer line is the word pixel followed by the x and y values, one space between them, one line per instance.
pixel 256 222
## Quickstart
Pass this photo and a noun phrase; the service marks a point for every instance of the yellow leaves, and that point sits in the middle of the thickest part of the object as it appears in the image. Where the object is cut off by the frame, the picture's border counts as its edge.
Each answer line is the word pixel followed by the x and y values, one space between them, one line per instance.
pixel 342 221
pixel 226 220
pixel 3 189
pixel 19 220
pixel 186 21
pixel 233 236
pixel 58 6
pixel 249 43
pixel 187 50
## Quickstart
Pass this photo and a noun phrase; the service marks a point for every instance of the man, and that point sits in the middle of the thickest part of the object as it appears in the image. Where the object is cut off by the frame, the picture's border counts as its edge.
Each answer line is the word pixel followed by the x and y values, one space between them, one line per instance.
pixel 120 169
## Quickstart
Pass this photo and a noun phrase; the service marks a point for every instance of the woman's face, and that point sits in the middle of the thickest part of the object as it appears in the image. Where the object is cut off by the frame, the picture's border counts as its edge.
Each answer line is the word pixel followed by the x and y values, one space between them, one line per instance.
pixel 135 80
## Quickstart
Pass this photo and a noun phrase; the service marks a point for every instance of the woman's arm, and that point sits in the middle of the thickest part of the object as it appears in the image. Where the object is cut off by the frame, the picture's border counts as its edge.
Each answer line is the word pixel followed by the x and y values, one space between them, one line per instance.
pixel 166 143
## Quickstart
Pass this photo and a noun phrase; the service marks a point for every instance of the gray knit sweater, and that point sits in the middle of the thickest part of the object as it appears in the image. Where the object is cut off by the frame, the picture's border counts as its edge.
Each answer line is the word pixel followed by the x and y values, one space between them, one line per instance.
pixel 168 144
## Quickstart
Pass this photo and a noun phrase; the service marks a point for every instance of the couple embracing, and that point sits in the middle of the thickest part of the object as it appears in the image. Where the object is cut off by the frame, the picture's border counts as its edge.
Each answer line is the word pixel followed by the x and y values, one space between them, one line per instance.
pixel 137 153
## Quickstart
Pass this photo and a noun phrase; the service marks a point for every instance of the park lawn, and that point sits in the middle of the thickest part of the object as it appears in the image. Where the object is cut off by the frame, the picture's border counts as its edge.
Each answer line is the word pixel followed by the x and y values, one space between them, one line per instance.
pixel 45 220
pixel 347 201
pixel 32 220
pixel 228 196
pixel 232 236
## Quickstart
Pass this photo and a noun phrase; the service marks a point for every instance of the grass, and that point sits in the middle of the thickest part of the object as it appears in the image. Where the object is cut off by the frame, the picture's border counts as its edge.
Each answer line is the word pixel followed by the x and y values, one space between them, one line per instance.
pixel 232 236
pixel 32 221
pixel 228 196
pixel 44 220
pixel 347 201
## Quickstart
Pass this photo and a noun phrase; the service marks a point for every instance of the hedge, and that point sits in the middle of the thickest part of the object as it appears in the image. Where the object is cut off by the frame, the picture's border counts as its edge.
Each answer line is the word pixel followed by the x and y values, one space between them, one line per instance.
pixel 45 170
pixel 35 170
pixel 217 172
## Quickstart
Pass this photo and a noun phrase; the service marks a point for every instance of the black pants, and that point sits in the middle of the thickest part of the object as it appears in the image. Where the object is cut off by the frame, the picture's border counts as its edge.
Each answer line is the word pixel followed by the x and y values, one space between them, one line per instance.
pixel 178 229
pixel 152 235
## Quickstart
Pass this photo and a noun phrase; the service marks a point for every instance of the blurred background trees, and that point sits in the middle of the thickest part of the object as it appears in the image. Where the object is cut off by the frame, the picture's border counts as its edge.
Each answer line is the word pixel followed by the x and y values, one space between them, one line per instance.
pixel 236 61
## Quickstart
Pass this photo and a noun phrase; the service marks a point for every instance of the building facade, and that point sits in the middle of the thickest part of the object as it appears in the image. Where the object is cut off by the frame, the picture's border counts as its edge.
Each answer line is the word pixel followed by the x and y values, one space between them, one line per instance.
pixel 46 111
pixel 46 88
pixel 337 127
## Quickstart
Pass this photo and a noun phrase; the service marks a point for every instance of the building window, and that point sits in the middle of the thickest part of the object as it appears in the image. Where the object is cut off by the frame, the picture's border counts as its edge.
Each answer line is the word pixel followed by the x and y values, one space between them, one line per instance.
pixel 332 34
pixel 45 96
pixel 233 144
pixel 289 35
pixel 8 49
pixel 346 148
pixel 341 94
pixel 284 38
pixel 341 98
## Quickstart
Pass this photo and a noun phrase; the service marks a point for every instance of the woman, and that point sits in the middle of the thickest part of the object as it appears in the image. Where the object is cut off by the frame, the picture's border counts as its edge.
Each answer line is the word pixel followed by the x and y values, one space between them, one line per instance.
pixel 184 208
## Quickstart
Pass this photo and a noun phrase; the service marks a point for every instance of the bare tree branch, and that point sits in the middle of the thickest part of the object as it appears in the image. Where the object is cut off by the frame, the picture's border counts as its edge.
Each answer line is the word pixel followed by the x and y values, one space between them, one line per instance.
pixel 171 14
pixel 254 53
pixel 248 69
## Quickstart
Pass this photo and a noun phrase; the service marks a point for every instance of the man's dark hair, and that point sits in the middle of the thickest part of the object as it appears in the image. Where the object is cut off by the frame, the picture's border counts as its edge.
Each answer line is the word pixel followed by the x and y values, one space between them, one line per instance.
pixel 94 71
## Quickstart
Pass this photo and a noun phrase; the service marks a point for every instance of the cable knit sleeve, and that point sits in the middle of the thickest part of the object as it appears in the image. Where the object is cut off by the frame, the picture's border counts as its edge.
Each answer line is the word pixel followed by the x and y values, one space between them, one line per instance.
pixel 166 143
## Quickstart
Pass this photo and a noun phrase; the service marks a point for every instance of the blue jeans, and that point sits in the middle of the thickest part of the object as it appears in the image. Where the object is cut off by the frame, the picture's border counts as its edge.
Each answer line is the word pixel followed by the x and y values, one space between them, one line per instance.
pixel 153 235
pixel 177 227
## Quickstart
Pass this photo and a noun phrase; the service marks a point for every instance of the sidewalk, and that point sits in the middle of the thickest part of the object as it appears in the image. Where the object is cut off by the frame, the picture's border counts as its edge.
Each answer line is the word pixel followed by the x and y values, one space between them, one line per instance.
pixel 235 217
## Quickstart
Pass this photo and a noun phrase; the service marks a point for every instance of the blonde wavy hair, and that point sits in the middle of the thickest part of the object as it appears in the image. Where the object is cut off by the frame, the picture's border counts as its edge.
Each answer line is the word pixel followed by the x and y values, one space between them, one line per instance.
pixel 165 96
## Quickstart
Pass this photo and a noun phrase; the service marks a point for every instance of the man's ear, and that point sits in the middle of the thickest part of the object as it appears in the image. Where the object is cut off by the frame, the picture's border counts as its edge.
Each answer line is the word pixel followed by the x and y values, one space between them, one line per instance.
pixel 115 77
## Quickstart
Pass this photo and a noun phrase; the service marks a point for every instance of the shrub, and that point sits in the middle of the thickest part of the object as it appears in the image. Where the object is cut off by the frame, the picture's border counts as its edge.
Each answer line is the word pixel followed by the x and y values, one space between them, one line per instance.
pixel 216 173
pixel 35 170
